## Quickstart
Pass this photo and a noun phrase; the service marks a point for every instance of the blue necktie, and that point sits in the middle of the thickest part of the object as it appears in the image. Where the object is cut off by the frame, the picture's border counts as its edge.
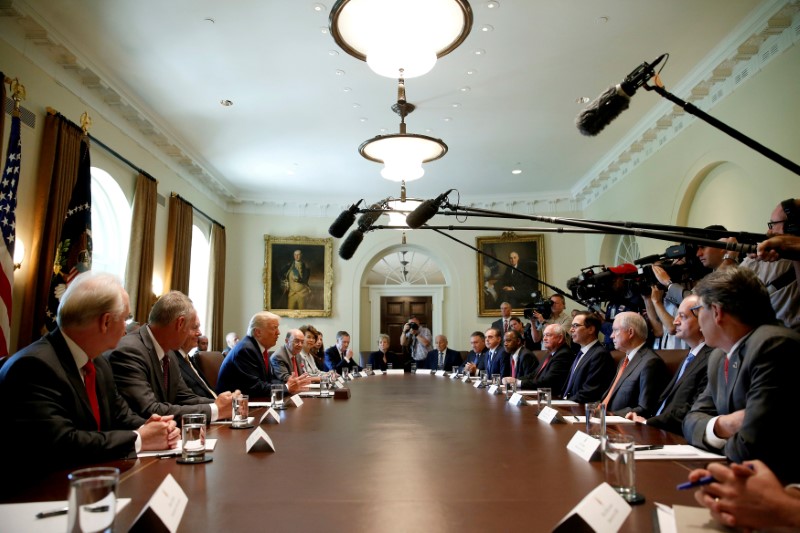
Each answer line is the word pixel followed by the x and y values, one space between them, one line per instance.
pixel 686 363
pixel 572 374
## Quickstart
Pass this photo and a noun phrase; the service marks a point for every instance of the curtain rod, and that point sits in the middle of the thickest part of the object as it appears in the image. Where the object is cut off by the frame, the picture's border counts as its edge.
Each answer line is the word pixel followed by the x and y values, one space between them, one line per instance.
pixel 116 154
pixel 176 195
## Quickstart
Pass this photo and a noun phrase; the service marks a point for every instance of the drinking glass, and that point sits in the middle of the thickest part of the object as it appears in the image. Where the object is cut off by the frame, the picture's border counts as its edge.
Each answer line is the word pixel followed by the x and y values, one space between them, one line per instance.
pixel 92 503
pixel 240 411
pixel 620 467
pixel 193 438
pixel 277 397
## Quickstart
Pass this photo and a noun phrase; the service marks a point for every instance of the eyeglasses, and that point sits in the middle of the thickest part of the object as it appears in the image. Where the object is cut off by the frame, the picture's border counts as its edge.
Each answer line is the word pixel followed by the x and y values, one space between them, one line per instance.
pixel 772 223
pixel 695 308
pixel 576 326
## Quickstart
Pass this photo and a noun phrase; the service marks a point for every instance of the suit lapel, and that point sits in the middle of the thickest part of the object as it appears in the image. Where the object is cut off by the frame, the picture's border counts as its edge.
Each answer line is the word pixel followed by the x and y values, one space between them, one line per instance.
pixel 56 339
pixel 155 364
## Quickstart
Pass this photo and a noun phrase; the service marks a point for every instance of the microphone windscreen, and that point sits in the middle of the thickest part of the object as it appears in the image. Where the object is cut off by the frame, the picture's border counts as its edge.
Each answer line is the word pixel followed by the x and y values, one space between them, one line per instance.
pixel 348 247
pixel 602 111
pixel 423 213
pixel 368 219
pixel 342 224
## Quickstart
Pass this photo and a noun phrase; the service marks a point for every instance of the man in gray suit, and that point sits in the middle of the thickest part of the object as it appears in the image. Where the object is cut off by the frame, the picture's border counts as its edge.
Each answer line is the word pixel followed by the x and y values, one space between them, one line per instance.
pixel 752 375
pixel 641 375
pixel 148 379
pixel 287 361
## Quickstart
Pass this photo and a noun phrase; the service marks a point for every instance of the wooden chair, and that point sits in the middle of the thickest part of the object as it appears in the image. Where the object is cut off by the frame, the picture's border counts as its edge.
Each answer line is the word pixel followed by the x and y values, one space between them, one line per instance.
pixel 209 363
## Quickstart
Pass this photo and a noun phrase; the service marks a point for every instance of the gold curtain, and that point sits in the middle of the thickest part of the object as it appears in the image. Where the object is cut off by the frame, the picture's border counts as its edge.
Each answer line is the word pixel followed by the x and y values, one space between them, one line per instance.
pixel 216 297
pixel 57 174
pixel 179 245
pixel 139 274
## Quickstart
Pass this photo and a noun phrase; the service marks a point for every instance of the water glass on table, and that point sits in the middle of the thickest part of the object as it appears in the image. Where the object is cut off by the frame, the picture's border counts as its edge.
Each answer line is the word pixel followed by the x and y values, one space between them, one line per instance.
pixel 193 438
pixel 620 467
pixel 544 397
pixel 92 501
pixel 277 397
pixel 240 410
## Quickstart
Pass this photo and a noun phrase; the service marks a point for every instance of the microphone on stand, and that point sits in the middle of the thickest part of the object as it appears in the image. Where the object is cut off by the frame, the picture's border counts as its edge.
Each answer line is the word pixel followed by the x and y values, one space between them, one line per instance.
pixel 348 247
pixel 608 106
pixel 425 211
pixel 344 221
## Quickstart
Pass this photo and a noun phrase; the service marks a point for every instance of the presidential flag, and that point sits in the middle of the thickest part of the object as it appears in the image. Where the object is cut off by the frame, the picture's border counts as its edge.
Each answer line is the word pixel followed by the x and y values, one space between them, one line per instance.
pixel 8 223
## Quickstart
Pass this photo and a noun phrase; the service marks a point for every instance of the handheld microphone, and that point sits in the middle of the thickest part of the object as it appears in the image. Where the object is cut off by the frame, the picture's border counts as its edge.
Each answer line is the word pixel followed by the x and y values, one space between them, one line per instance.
pixel 351 243
pixel 344 221
pixel 608 106
pixel 425 211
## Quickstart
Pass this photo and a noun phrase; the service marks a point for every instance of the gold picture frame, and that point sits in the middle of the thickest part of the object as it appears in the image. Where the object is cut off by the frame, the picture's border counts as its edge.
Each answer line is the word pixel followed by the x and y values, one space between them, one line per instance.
pixel 494 278
pixel 298 288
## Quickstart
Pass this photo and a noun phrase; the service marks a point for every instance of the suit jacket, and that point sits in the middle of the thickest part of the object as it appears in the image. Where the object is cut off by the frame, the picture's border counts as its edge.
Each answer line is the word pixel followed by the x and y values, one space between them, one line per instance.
pixel 500 363
pixel 478 359
pixel 451 358
pixel 137 372
pixel 527 363
pixel 376 360
pixel 681 395
pixel 335 361
pixel 197 382
pixel 640 386
pixel 593 375
pixel 498 324
pixel 281 362
pixel 47 406
pixel 244 369
pixel 554 374
pixel 762 376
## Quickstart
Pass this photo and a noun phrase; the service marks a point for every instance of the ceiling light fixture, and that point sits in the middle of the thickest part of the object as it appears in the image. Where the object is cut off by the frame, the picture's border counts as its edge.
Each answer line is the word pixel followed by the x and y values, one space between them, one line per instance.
pixel 399 209
pixel 400 34
pixel 402 154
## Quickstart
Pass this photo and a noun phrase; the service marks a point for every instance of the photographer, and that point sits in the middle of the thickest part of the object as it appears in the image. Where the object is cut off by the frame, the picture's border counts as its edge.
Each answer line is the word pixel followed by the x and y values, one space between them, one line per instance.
pixel 416 339
pixel 557 316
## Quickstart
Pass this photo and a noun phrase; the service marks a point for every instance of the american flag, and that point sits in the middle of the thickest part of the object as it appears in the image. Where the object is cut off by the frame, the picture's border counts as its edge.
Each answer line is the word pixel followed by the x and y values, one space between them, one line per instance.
pixel 8 223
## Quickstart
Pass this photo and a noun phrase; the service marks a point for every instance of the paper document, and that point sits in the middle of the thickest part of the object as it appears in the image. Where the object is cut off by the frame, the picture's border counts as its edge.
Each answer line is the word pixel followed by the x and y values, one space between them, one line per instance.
pixel 210 444
pixel 678 451
pixel 611 420
pixel 22 516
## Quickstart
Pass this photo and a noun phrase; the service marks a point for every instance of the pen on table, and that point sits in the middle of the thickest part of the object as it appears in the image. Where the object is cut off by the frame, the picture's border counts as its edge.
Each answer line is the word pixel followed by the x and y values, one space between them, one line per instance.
pixel 166 455
pixel 54 512
pixel 705 480
pixel 645 448
pixel 576 418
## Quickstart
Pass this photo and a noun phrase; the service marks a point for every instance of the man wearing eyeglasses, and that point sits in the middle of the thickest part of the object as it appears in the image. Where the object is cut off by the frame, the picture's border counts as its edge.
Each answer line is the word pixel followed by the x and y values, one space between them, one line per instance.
pixel 752 375
pixel 287 361
pixel 690 379
pixel 594 368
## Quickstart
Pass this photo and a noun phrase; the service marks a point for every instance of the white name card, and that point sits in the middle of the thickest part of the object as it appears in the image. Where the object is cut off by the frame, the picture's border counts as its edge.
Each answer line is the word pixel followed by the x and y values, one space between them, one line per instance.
pixel 424 371
pixel 395 372
pixel 378 372
pixel 454 375
pixel 493 389
pixel 340 380
pixel 259 441
pixel 363 374
pixel 165 509
pixel 271 414
pixel 548 414
pixel 583 445
pixel 465 379
pixel 440 373
pixel 477 384
pixel 603 510
pixel 296 400
pixel 516 399
pixel 338 385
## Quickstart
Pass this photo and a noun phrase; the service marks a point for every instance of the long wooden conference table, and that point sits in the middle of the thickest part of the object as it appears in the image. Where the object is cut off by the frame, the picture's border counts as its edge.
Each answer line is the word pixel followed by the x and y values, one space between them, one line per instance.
pixel 404 453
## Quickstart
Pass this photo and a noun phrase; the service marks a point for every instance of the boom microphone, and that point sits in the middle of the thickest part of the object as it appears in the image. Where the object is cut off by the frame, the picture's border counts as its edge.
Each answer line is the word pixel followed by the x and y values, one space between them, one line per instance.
pixel 608 106
pixel 348 247
pixel 425 211
pixel 344 221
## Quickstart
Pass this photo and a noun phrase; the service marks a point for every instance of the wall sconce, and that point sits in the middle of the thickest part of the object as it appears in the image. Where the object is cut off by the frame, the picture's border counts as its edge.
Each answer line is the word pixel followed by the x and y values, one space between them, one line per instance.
pixel 157 286
pixel 19 253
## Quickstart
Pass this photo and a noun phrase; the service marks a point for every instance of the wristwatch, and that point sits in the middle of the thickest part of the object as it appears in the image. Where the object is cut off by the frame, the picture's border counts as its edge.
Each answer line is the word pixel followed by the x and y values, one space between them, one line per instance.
pixel 728 257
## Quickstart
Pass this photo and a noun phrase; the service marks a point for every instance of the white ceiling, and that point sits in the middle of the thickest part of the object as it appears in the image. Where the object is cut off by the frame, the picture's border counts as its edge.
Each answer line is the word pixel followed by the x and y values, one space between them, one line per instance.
pixel 302 106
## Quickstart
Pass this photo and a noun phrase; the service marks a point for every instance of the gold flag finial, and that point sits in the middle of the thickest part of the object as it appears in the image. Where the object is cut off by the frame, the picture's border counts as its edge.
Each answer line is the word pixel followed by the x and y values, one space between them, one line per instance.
pixel 86 122
pixel 17 92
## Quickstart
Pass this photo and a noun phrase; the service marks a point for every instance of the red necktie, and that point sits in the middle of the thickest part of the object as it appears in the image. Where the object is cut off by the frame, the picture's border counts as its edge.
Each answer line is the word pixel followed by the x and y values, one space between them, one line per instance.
pixel 89 373
pixel 726 369
pixel 294 367
pixel 505 326
pixel 266 361
pixel 614 386
pixel 543 365
pixel 165 371
pixel 513 369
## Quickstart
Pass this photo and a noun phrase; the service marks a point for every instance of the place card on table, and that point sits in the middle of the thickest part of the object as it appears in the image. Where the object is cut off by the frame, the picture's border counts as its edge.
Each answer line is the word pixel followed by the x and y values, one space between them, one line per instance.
pixel 549 415
pixel 395 372
pixel 338 385
pixel 378 372
pixel 516 399
pixel 259 441
pixel 477 384
pixel 583 445
pixel 423 371
pixel 603 510
pixel 465 379
pixel 440 373
pixel 295 400
pixel 271 414
pixel 493 389
pixel 165 509
pixel 454 376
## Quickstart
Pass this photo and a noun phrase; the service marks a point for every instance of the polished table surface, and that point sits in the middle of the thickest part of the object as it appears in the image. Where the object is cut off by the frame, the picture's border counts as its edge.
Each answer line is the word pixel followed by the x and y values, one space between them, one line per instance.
pixel 404 453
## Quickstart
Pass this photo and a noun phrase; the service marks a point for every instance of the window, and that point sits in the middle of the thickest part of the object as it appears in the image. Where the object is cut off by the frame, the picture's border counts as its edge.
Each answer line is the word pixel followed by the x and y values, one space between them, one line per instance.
pixel 627 249
pixel 198 274
pixel 111 224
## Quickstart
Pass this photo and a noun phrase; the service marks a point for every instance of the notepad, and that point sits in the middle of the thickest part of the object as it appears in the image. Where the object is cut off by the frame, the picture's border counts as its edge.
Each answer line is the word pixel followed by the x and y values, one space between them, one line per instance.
pixel 611 420
pixel 22 516
pixel 678 451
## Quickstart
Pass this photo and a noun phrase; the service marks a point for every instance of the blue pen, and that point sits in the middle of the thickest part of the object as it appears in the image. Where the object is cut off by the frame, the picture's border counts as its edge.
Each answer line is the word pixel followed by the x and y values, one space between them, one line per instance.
pixel 699 483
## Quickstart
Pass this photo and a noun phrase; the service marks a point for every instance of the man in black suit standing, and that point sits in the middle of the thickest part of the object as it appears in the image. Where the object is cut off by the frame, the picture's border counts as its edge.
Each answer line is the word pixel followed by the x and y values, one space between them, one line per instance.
pixel 554 370
pixel 476 359
pixel 594 368
pixel 752 375
pixel 442 357
pixel 150 380
pixel 503 323
pixel 59 395
pixel 641 374
pixel 690 379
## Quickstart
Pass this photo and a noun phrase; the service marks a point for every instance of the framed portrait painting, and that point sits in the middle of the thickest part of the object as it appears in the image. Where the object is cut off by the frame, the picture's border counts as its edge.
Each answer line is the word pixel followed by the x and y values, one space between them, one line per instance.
pixel 497 283
pixel 298 276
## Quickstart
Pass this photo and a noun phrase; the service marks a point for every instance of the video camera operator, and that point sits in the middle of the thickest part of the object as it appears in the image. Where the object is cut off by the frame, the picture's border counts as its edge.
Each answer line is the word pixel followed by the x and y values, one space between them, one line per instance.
pixel 416 340
pixel 557 316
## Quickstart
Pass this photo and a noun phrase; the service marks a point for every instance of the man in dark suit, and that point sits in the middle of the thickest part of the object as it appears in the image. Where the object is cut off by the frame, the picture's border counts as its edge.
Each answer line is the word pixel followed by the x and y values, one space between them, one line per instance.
pixel 503 323
pixel 513 285
pixel 60 397
pixel 191 374
pixel 641 374
pixel 247 366
pixel 476 359
pixel 449 358
pixel 498 361
pixel 594 368
pixel 286 360
pixel 150 380
pixel 554 370
pixel 690 379
pixel 752 375
pixel 340 355
pixel 523 361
